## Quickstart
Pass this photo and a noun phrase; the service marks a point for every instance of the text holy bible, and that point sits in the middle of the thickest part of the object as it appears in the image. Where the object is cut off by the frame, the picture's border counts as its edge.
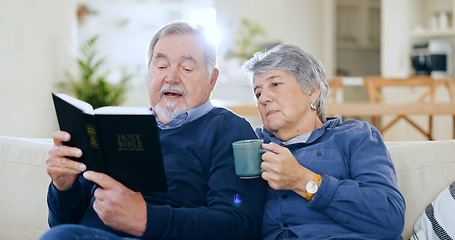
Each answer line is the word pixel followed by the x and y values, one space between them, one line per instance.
pixel 122 142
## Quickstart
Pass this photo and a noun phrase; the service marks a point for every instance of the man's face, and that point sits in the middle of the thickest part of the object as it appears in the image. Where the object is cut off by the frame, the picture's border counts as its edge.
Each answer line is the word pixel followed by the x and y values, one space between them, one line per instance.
pixel 178 76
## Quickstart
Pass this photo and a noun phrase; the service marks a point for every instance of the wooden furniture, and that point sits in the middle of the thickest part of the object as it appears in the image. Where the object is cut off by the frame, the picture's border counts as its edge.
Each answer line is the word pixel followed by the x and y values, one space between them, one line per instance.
pixel 377 105
pixel 426 104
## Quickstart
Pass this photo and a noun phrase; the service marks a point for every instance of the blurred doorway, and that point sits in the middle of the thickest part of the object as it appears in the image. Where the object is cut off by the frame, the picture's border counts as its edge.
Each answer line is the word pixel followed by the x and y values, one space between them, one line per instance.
pixel 358 37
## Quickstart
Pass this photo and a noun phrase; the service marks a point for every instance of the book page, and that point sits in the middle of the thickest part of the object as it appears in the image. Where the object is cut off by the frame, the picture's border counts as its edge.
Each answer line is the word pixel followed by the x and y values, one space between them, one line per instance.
pixel 120 110
pixel 85 107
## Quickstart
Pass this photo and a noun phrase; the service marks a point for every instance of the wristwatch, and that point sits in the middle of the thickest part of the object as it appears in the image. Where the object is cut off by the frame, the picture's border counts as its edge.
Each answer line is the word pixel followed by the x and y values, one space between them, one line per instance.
pixel 312 187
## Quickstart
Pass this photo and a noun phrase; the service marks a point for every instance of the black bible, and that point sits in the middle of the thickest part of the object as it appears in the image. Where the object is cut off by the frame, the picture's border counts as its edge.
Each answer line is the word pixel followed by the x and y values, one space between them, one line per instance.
pixel 121 142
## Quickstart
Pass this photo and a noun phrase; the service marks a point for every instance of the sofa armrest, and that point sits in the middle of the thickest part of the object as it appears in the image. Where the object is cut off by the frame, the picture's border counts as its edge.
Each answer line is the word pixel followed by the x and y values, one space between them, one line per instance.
pixel 23 185
pixel 424 169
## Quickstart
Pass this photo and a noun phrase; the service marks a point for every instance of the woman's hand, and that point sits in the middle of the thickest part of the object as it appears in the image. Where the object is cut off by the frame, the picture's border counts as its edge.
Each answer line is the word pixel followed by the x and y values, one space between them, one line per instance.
pixel 282 171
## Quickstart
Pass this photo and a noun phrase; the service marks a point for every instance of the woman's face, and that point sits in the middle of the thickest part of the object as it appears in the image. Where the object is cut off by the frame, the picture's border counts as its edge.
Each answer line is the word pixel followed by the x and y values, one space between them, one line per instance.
pixel 283 105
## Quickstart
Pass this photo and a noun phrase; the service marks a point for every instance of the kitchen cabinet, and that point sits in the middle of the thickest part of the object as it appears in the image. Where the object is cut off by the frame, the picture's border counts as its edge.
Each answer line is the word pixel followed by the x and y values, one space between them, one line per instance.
pixel 432 19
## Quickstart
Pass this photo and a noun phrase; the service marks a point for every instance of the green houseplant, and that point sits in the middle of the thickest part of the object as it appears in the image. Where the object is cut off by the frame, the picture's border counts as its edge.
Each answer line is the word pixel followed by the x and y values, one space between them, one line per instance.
pixel 245 34
pixel 91 84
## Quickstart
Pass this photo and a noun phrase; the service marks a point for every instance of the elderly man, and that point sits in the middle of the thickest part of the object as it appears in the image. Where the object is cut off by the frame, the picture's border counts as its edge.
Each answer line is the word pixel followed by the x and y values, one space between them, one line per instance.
pixel 206 200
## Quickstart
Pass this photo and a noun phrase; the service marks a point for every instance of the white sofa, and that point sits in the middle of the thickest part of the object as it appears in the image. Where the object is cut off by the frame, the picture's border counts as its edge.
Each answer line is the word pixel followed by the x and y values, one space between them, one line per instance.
pixel 424 169
pixel 23 188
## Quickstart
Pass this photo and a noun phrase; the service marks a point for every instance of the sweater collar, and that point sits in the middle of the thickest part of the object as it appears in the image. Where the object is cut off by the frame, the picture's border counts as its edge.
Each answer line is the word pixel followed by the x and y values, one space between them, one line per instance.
pixel 186 117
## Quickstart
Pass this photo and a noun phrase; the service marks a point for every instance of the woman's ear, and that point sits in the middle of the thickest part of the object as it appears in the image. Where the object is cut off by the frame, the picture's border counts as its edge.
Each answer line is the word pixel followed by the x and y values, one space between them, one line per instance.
pixel 315 95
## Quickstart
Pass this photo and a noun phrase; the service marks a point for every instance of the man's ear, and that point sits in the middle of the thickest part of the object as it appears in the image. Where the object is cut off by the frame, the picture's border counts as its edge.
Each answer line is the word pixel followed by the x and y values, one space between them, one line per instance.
pixel 214 77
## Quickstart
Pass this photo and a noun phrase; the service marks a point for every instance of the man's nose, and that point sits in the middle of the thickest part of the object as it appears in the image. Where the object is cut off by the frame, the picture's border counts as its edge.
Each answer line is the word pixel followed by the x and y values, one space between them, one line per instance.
pixel 172 76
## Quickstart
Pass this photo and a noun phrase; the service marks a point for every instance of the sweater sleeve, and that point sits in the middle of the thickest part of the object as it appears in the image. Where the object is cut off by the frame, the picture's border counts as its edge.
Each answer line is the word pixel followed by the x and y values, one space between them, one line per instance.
pixel 70 205
pixel 233 208
pixel 369 201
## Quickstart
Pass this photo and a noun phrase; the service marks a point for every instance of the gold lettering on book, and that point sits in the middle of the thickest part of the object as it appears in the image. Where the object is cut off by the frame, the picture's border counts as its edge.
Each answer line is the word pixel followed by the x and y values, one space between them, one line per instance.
pixel 91 130
pixel 130 142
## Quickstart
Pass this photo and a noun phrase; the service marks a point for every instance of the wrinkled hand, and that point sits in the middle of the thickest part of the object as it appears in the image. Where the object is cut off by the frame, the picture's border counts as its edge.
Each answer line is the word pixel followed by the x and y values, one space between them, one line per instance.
pixel 62 170
pixel 282 171
pixel 118 206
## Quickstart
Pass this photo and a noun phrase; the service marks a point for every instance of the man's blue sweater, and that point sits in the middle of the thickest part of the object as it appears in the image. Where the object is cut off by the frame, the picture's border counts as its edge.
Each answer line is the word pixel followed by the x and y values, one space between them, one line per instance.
pixel 205 200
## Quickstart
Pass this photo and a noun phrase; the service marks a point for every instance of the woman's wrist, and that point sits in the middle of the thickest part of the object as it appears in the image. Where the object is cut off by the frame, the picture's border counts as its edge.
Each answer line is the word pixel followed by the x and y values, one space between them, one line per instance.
pixel 304 175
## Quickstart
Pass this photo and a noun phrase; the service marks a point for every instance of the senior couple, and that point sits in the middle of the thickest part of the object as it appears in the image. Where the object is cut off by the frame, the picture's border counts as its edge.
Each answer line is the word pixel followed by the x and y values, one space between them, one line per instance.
pixel 322 178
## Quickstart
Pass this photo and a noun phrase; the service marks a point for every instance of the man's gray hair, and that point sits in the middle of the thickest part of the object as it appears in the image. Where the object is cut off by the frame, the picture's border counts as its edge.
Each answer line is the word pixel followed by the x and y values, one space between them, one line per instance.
pixel 308 70
pixel 179 27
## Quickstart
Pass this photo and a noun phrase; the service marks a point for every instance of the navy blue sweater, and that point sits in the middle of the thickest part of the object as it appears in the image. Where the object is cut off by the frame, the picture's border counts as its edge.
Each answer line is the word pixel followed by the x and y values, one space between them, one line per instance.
pixel 206 200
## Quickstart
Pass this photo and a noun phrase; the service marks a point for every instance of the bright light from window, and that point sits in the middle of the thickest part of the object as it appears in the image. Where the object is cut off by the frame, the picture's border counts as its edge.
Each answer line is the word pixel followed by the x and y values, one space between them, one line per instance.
pixel 206 17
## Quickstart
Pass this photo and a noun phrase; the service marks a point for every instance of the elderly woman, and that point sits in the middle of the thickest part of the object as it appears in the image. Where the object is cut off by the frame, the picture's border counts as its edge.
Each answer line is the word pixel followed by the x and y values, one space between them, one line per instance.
pixel 327 179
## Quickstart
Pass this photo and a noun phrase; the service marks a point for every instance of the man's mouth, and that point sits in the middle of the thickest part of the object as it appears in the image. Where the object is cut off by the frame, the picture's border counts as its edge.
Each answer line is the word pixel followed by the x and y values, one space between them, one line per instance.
pixel 172 94
pixel 172 91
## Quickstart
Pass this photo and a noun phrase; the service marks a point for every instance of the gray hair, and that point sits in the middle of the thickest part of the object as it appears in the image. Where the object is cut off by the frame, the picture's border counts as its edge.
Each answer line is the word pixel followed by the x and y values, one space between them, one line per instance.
pixel 308 70
pixel 178 28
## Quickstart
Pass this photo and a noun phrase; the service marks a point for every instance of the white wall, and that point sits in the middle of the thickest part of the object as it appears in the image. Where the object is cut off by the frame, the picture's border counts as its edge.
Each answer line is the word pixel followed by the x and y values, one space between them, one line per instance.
pixel 300 22
pixel 36 46
pixel 293 21
pixel 39 43
pixel 394 38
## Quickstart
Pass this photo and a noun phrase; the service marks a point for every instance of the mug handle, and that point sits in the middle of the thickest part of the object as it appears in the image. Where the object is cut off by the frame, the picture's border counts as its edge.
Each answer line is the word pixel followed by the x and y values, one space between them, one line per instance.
pixel 262 151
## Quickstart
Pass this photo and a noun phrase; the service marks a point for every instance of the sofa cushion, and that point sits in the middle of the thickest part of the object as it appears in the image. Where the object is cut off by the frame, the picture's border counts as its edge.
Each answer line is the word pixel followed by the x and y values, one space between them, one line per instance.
pixel 439 217
pixel 23 186
pixel 424 169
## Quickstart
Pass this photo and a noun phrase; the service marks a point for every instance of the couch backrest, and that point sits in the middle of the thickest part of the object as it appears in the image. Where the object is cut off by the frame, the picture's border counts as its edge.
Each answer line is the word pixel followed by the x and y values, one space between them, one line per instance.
pixel 23 187
pixel 423 169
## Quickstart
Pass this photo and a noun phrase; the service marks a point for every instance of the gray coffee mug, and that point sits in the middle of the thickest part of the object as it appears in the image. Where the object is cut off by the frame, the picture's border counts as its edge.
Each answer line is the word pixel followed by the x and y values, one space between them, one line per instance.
pixel 247 158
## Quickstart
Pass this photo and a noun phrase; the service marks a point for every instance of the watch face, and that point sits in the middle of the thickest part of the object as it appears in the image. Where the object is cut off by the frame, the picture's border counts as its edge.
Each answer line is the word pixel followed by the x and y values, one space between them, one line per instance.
pixel 311 187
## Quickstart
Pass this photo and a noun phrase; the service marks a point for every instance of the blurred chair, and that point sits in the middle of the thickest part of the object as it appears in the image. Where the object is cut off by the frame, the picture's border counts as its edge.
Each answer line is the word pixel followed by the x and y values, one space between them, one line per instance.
pixel 375 83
